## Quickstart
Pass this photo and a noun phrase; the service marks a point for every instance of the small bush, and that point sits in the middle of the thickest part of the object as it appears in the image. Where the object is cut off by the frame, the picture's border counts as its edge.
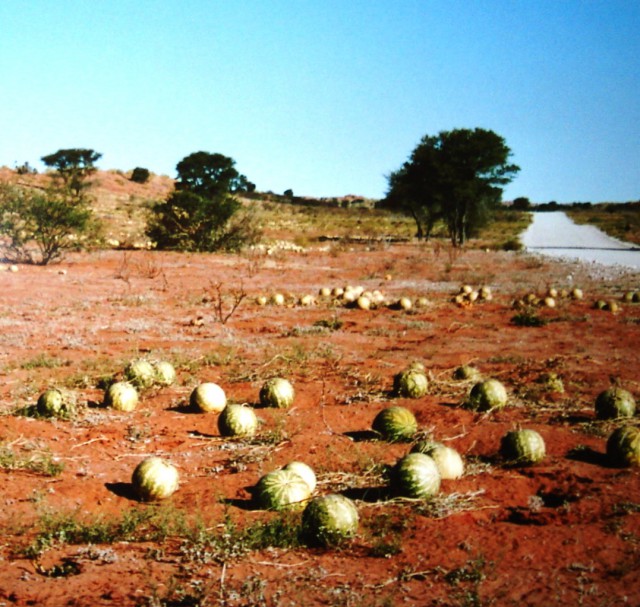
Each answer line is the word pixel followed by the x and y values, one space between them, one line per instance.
pixel 140 175
pixel 513 244
pixel 528 318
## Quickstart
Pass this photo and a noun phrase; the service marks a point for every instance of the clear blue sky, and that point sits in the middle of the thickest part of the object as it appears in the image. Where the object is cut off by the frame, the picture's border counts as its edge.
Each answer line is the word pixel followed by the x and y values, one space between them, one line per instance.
pixel 328 96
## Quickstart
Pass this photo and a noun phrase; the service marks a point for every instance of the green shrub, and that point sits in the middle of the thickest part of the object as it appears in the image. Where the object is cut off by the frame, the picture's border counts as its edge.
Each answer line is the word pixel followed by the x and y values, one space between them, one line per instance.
pixel 140 175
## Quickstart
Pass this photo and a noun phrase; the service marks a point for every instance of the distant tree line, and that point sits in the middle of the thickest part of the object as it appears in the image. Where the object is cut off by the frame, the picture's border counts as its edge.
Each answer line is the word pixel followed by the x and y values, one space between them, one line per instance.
pixel 453 179
pixel 40 224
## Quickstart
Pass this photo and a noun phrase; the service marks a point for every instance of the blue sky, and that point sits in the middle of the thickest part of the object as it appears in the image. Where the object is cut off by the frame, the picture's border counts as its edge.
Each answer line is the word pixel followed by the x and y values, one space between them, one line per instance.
pixel 327 97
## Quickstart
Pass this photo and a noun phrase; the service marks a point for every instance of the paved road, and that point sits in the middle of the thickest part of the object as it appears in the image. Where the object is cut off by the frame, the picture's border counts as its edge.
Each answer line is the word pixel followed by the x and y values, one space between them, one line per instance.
pixel 554 234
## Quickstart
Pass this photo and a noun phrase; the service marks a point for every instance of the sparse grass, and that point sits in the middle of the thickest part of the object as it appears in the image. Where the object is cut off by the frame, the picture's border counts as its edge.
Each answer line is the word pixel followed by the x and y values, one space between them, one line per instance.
pixel 152 524
pixel 528 317
pixel 30 458
pixel 229 541
pixel 503 231
pixel 621 221
pixel 44 361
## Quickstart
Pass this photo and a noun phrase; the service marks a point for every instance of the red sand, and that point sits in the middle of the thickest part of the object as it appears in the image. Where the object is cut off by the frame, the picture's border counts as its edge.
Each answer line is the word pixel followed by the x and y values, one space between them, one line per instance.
pixel 566 531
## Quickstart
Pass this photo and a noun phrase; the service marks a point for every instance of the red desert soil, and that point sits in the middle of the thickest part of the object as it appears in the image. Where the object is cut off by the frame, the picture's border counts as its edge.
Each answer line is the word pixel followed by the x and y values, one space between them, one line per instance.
pixel 563 532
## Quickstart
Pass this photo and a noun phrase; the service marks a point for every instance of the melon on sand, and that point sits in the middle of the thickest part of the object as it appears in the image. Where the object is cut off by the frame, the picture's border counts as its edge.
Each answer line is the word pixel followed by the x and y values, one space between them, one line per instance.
pixel 487 395
pixel 523 447
pixel 615 402
pixel 208 397
pixel 281 489
pixel 415 475
pixel 141 373
pixel 330 520
pixel 237 420
pixel 122 396
pixel 449 461
pixel 56 403
pixel 303 470
pixel 154 478
pixel 623 446
pixel 412 382
pixel 395 424
pixel 277 392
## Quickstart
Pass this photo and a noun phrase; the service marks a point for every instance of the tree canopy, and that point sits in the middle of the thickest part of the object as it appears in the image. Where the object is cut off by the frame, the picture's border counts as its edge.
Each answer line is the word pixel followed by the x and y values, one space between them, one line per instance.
pixel 202 214
pixel 456 176
pixel 209 175
pixel 73 166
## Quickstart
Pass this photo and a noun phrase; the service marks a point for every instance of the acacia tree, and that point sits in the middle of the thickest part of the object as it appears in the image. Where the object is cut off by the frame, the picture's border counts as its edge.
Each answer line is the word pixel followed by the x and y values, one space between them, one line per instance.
pixel 73 166
pixel 202 213
pixel 40 224
pixel 456 176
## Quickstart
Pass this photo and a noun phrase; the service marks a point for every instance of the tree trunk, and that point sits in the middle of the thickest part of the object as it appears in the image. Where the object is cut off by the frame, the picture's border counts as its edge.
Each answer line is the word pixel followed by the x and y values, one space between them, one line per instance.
pixel 419 228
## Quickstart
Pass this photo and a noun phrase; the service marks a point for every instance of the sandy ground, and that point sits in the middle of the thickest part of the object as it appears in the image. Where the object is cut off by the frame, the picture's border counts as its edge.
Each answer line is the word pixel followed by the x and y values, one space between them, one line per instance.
pixel 563 532
pixel 556 235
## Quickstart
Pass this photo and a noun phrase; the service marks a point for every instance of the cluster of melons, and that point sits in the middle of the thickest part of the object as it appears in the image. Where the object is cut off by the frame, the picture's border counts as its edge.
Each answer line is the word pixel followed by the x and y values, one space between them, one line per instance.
pixel 631 297
pixel 348 296
pixel 419 473
pixel 355 296
pixel 606 305
pixel 277 299
pixel 327 520
pixel 547 299
pixel 155 478
pixel 468 295
pixel 138 374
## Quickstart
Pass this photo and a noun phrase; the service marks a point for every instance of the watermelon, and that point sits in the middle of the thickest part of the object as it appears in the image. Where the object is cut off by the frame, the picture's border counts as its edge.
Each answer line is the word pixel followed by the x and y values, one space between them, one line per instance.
pixel 615 402
pixel 55 403
pixel 623 446
pixel 412 382
pixel 277 392
pixel 165 373
pixel 140 373
pixel 330 520
pixel 281 489
pixel 522 447
pixel 466 373
pixel 237 420
pixel 487 395
pixel 395 424
pixel 415 475
pixel 449 462
pixel 122 396
pixel 154 479
pixel 305 471
pixel 208 397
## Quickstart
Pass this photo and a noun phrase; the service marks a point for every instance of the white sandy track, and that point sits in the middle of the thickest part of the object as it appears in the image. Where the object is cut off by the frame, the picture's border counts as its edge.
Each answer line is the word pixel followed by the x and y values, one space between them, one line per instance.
pixel 554 234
